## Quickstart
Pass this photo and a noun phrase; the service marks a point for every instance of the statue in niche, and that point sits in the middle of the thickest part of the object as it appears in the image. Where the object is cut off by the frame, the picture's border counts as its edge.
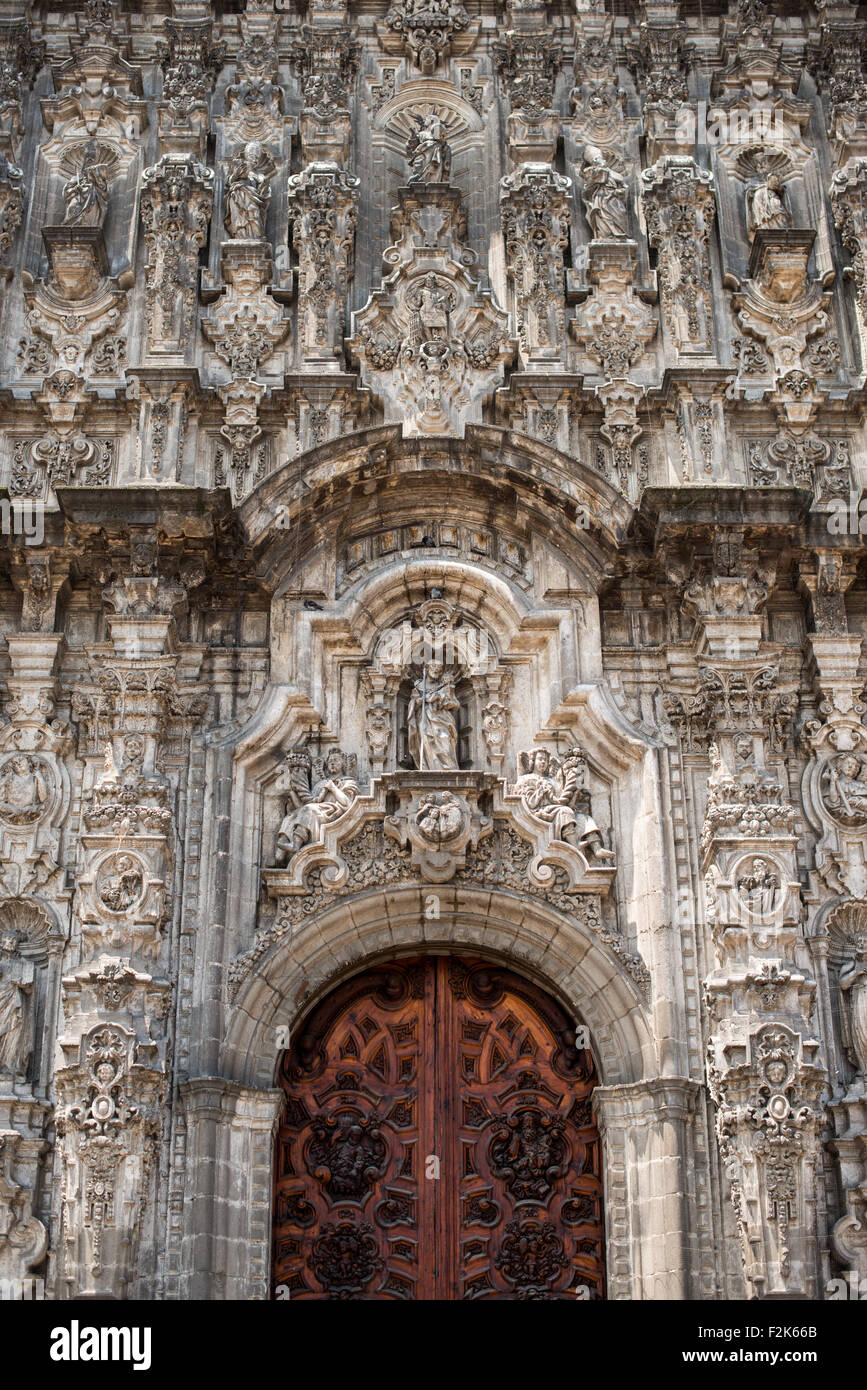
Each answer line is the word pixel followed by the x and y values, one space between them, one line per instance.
pixel 551 790
pixel 310 808
pixel 853 1005
pixel 431 719
pixel 16 987
pixel 86 193
pixel 605 194
pixel 23 790
pixel 766 209
pixel 248 192
pixel 428 151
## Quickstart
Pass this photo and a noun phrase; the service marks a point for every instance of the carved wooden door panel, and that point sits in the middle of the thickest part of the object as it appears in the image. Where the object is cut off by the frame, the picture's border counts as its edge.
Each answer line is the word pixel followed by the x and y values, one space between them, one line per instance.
pixel 438 1143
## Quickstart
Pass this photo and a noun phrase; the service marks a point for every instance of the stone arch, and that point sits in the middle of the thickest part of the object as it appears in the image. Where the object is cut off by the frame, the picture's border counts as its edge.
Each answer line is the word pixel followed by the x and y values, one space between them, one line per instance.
pixel 560 954
pixel 287 517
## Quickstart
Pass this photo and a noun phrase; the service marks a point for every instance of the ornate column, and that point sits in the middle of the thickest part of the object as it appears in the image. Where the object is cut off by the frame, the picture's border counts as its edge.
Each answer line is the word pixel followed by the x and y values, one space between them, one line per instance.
pixel 21 57
pixel 679 209
pixel 135 713
pixel 246 325
pixel 660 62
pixel 835 803
pixel 763 1065
pixel 34 912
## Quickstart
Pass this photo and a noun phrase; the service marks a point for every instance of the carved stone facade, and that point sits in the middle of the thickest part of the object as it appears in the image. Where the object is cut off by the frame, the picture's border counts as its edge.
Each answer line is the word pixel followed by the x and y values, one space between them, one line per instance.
pixel 440 435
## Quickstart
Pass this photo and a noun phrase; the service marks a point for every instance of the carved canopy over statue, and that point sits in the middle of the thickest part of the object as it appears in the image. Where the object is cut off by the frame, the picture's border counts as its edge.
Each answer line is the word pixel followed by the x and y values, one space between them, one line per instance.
pixel 248 192
pixel 309 809
pixel 552 791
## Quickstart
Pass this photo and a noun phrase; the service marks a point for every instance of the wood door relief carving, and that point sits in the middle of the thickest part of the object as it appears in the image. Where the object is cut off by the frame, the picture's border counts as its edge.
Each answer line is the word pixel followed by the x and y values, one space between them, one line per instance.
pixel 460 1062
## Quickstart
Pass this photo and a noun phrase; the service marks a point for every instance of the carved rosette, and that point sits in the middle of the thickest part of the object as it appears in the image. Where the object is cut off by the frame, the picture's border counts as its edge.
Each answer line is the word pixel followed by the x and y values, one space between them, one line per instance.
pixel 176 205
pixel 323 210
pixel 679 207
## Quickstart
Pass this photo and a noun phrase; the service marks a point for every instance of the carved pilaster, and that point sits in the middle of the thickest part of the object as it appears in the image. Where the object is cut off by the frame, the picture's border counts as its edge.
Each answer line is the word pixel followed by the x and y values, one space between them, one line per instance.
pixel 190 57
pixel 176 205
pixel 679 208
pixel 536 206
pixel 323 210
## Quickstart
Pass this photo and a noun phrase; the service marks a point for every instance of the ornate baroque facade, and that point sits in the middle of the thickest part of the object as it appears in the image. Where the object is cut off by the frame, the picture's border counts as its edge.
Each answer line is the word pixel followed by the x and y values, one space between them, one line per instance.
pixel 433 441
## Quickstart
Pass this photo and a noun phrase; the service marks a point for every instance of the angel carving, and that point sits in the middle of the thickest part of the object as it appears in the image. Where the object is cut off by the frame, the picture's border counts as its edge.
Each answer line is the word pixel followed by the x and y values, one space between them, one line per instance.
pixel 553 791
pixel 428 151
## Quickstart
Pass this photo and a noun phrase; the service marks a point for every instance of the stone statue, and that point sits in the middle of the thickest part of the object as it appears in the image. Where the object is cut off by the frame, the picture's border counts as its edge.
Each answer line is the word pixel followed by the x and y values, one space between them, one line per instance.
pixel 248 192
pixel 428 151
pixel 549 790
pixel 765 206
pixel 16 986
pixel 605 197
pixel 309 810
pixel 86 193
pixel 433 310
pixel 853 999
pixel 23 790
pixel 760 888
pixel 845 788
pixel 122 887
pixel 431 718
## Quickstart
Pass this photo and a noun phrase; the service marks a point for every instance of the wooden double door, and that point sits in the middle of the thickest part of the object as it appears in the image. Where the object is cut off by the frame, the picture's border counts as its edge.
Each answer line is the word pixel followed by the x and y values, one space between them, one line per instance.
pixel 438 1143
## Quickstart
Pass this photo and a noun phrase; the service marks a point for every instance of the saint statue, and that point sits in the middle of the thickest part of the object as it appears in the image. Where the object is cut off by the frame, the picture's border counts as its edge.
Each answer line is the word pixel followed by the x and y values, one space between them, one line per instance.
pixel 760 888
pixel 248 192
pixel 23 790
pixel 765 206
pixel 846 790
pixel 428 151
pixel 16 986
pixel 605 197
pixel 310 809
pixel 433 310
pixel 549 790
pixel 86 193
pixel 853 999
pixel 431 719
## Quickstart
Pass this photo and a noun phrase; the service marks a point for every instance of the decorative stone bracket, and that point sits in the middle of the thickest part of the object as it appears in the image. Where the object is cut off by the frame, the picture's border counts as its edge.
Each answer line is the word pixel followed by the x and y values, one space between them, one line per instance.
pixel 440 815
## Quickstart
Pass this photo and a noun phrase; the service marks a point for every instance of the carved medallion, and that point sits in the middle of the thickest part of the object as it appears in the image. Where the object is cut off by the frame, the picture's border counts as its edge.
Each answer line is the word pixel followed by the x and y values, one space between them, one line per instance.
pixel 345 1259
pixel 529 1153
pixel 532 1258
pixel 347 1155
pixel 844 788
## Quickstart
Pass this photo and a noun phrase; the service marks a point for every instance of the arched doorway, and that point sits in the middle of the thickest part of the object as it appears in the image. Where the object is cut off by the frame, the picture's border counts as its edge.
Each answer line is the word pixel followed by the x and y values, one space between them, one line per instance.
pixel 438 1142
